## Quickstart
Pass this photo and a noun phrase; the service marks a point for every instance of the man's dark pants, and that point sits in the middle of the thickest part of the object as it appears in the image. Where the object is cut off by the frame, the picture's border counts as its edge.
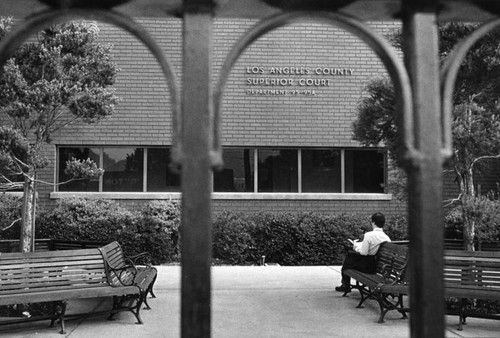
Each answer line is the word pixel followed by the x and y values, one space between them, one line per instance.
pixel 354 260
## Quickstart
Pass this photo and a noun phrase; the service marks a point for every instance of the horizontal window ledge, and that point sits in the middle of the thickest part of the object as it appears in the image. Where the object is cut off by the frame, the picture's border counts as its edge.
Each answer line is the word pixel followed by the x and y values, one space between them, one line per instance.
pixel 118 195
pixel 302 196
pixel 15 193
pixel 227 196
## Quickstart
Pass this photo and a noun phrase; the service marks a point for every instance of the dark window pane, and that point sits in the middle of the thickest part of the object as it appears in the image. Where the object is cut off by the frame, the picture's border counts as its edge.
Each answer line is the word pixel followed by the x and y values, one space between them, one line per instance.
pixel 364 171
pixel 123 169
pixel 66 154
pixel 160 176
pixel 278 170
pixel 321 170
pixel 237 174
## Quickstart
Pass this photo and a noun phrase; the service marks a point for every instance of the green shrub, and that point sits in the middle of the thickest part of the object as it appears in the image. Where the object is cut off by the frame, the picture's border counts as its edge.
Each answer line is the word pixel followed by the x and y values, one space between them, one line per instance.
pixel 85 219
pixel 292 238
pixel 284 238
pixel 453 224
pixel 158 226
pixel 307 238
pixel 232 239
pixel 483 210
pixel 154 229
pixel 396 228
pixel 10 211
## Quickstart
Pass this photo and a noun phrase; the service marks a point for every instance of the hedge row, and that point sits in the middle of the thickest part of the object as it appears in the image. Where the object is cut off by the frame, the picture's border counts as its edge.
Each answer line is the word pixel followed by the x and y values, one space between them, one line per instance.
pixel 284 238
pixel 291 238
pixel 155 228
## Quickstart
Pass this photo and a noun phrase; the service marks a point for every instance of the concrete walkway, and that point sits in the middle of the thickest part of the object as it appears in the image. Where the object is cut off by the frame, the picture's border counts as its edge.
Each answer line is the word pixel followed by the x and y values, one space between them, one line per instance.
pixel 252 301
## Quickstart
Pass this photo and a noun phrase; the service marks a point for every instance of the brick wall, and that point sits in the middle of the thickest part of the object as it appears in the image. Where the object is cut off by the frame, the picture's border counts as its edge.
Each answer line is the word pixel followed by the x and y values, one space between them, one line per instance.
pixel 273 206
pixel 325 207
pixel 143 117
pixel 295 119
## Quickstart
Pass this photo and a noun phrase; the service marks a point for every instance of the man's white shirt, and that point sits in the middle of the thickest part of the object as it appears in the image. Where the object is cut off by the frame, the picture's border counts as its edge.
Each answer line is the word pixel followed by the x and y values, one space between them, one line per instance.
pixel 371 242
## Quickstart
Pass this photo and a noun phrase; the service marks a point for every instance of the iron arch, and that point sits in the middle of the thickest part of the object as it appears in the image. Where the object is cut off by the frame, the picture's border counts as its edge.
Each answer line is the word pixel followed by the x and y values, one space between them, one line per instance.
pixel 381 47
pixel 37 22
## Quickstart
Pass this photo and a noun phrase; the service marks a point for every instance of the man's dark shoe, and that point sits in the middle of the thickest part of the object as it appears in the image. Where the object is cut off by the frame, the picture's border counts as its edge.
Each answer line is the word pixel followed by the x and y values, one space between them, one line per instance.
pixel 343 288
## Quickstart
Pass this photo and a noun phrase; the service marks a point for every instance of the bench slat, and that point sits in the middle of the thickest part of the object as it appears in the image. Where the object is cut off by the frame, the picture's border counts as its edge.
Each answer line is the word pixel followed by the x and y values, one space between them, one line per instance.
pixel 63 294
pixel 31 267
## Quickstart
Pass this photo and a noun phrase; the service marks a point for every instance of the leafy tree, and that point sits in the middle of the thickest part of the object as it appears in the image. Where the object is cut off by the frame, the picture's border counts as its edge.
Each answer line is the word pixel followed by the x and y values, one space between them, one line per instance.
pixel 60 77
pixel 475 121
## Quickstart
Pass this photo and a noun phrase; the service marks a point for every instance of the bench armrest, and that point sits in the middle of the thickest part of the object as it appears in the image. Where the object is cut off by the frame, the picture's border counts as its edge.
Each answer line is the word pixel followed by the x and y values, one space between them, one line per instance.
pixel 144 258
pixel 391 275
pixel 124 276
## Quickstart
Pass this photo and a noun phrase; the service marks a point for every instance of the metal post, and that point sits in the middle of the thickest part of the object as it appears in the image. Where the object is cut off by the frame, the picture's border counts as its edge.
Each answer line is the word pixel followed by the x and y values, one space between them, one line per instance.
pixel 425 182
pixel 196 170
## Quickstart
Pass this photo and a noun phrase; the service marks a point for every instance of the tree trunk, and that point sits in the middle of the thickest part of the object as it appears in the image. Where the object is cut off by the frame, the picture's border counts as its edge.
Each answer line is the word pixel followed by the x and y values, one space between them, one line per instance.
pixel 469 223
pixel 26 243
pixel 469 228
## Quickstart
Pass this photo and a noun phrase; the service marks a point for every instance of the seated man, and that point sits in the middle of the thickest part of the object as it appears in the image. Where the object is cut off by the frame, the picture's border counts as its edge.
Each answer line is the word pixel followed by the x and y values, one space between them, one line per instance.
pixel 362 257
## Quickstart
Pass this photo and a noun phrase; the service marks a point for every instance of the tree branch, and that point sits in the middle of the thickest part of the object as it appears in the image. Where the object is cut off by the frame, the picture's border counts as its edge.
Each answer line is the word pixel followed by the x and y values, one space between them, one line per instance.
pixel 9 186
pixel 60 183
pixel 11 224
pixel 488 157
pixel 450 202
pixel 448 171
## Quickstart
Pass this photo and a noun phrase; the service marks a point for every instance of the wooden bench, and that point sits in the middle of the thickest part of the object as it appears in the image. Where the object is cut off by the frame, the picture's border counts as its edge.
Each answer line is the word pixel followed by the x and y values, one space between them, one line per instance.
pixel 467 275
pixel 389 283
pixel 44 244
pixel 472 275
pixel 64 244
pixel 135 270
pixel 59 276
pixel 479 245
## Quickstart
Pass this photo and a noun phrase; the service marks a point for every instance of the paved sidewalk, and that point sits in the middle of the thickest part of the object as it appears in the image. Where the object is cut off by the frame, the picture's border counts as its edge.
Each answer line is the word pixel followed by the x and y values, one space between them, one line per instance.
pixel 253 301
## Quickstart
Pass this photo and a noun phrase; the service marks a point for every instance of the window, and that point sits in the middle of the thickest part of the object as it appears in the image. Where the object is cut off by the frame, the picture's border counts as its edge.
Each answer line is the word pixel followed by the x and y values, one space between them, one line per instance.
pixel 123 169
pixel 238 172
pixel 321 170
pixel 66 154
pixel 160 176
pixel 302 171
pixel 278 170
pixel 246 170
pixel 364 171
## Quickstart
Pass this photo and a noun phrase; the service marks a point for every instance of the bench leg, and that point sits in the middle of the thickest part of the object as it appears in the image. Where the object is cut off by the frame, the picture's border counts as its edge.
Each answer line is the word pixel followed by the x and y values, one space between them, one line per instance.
pixel 461 314
pixel 402 309
pixel 54 314
pixel 114 310
pixel 387 305
pixel 63 312
pixel 365 292
pixel 150 288
pixel 137 309
pixel 383 308
pixel 144 298
pixel 59 311
pixel 130 303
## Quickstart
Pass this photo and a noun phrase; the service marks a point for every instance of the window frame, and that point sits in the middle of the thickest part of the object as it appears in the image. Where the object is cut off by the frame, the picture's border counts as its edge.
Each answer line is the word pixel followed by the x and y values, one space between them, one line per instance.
pixel 299 195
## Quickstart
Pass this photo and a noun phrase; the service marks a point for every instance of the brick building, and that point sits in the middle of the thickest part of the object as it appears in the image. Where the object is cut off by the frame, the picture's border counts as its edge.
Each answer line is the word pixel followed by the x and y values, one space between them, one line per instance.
pixel 286 131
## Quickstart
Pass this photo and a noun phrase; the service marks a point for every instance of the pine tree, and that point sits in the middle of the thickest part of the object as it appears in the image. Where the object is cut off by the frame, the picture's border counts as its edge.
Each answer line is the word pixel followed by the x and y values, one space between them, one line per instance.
pixel 60 77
